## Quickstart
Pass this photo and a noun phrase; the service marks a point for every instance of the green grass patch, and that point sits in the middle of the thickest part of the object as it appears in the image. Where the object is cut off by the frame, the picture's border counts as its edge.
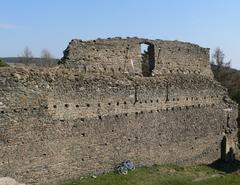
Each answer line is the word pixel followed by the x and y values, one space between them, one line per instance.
pixel 3 64
pixel 163 175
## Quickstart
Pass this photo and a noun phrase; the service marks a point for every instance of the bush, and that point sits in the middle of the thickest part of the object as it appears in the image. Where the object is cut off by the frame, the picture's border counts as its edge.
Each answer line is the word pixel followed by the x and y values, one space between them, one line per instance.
pixel 235 95
pixel 3 64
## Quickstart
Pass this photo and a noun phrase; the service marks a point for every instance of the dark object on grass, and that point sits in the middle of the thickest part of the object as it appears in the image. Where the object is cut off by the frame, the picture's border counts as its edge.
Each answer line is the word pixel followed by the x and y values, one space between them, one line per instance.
pixel 125 166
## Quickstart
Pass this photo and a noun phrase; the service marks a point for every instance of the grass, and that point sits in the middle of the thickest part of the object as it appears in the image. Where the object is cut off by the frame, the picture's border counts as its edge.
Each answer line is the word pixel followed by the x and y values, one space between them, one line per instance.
pixel 163 175
pixel 3 64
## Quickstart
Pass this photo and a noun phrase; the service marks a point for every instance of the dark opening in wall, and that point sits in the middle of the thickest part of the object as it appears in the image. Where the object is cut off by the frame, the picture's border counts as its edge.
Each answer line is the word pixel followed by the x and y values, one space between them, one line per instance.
pixel 54 106
pixel 148 58
pixel 223 148
pixel 66 105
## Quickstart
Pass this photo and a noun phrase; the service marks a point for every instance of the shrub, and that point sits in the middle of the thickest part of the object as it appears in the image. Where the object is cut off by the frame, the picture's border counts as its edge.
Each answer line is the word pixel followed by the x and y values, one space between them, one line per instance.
pixel 3 64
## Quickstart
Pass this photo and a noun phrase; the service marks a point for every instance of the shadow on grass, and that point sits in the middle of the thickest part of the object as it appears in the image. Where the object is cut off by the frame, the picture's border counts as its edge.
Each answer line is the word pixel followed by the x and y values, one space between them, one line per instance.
pixel 227 167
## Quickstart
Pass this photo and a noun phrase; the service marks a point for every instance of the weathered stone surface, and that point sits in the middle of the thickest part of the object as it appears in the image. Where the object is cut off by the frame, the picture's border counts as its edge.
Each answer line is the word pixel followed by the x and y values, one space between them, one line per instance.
pixel 8 181
pixel 69 121
pixel 115 56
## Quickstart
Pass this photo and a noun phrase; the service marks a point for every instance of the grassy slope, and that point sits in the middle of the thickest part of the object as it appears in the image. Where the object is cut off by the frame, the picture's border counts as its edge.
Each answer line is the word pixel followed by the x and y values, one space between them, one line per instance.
pixel 163 175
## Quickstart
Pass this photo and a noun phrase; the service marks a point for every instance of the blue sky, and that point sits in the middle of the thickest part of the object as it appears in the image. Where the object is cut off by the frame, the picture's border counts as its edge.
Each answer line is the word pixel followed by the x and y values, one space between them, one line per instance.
pixel 52 24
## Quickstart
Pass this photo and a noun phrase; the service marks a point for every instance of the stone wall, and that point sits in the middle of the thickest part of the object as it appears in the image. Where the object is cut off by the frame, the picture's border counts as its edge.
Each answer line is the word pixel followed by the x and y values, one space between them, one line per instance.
pixel 63 122
pixel 117 54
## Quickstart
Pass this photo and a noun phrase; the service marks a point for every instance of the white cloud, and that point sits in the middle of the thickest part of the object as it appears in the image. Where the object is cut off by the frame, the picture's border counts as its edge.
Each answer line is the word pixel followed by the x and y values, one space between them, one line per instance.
pixel 9 27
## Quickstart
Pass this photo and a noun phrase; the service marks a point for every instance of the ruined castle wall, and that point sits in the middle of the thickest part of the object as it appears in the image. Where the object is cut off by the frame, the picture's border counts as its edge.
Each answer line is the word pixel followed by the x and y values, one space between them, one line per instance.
pixel 116 54
pixel 177 57
pixel 51 150
pixel 104 55
pixel 58 125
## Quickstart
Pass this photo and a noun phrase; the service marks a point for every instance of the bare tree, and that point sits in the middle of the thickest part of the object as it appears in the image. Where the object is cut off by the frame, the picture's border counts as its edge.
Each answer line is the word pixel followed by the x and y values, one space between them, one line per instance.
pixel 218 58
pixel 27 56
pixel 47 58
pixel 228 64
